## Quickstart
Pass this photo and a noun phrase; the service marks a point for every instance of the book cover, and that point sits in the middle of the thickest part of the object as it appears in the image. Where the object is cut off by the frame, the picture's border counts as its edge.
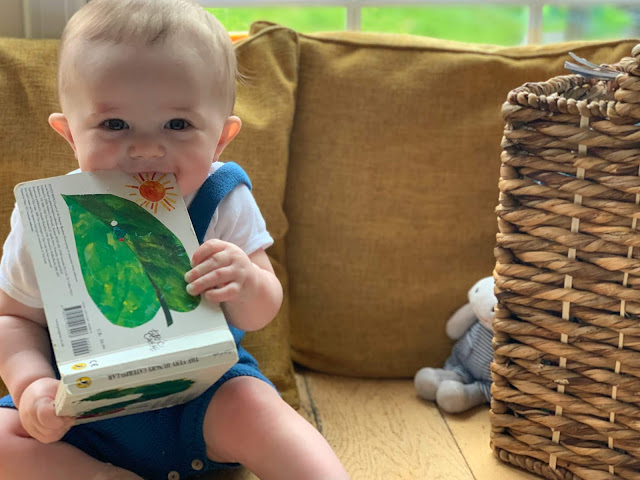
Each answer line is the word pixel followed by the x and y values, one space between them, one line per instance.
pixel 110 251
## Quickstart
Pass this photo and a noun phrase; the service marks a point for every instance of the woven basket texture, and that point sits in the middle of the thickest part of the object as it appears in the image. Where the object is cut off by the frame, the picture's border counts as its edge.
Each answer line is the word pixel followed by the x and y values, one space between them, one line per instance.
pixel 566 370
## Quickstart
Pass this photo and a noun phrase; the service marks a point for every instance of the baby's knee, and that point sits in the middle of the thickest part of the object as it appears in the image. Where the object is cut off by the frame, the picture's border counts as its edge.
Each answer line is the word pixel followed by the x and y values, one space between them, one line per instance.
pixel 240 405
pixel 247 394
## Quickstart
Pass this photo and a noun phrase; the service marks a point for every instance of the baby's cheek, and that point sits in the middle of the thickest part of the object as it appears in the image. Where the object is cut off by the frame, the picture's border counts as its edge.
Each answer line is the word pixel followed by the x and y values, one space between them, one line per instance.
pixel 98 156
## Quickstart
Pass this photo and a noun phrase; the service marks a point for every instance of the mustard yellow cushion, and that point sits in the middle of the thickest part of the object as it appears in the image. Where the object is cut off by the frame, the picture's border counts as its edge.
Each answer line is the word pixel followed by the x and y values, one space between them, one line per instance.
pixel 393 170
pixel 30 149
pixel 268 62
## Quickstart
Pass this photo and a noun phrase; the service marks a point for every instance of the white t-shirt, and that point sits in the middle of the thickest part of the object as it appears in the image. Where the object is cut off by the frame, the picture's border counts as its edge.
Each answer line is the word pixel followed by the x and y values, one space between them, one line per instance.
pixel 237 220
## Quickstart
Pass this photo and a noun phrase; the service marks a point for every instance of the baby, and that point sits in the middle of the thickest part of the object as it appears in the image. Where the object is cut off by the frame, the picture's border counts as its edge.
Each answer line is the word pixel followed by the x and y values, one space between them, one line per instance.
pixel 149 86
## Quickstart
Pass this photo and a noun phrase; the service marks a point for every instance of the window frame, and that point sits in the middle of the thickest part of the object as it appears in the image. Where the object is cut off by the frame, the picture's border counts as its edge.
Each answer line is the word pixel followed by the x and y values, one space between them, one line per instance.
pixel 47 18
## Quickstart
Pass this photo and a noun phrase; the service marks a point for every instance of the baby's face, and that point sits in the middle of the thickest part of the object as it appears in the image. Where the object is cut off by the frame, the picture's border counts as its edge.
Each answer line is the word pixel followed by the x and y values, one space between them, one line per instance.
pixel 144 109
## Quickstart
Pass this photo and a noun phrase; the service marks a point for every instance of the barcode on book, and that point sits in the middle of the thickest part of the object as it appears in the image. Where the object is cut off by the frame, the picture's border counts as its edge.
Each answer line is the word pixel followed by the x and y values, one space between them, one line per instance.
pixel 81 346
pixel 76 321
pixel 77 326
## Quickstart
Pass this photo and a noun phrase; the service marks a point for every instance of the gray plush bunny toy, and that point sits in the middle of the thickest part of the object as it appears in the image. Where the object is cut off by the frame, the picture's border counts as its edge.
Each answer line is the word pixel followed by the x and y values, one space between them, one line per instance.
pixel 465 380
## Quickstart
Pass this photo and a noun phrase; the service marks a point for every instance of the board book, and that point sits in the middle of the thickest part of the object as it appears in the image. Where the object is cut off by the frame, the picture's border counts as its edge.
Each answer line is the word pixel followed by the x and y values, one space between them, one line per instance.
pixel 110 251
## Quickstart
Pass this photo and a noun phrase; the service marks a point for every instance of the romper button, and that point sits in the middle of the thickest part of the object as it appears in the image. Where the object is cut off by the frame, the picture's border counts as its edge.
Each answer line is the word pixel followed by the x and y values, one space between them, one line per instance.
pixel 197 464
pixel 174 476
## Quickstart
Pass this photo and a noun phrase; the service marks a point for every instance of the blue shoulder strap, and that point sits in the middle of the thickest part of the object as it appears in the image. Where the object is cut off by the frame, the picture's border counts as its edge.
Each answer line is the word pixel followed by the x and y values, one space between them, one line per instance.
pixel 213 190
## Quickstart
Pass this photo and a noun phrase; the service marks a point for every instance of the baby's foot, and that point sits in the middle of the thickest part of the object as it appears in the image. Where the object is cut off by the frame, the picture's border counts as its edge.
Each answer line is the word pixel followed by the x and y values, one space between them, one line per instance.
pixel 111 472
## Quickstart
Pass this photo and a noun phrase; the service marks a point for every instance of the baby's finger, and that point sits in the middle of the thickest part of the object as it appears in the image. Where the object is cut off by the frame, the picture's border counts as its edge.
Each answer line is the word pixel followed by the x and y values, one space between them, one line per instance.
pixel 37 433
pixel 207 249
pixel 45 412
pixel 48 418
pixel 224 294
pixel 56 428
pixel 220 259
pixel 215 279
pixel 66 422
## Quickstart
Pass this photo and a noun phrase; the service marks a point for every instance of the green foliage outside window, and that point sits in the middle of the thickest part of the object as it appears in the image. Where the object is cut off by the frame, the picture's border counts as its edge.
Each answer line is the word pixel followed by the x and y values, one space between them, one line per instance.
pixel 494 24
pixel 302 19
pixel 500 25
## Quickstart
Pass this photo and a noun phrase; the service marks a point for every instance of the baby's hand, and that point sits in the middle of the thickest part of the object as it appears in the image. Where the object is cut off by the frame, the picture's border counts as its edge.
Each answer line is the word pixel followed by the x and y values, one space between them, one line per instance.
pixel 38 414
pixel 220 273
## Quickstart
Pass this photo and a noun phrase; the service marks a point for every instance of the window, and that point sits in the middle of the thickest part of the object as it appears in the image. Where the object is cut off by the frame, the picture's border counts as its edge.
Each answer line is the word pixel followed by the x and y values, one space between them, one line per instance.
pixel 502 22
pixel 495 24
pixel 563 22
pixel 300 18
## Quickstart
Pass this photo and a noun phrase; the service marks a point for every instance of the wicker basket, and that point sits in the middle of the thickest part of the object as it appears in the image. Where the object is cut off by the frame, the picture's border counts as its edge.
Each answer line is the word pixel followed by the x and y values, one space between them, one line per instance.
pixel 566 370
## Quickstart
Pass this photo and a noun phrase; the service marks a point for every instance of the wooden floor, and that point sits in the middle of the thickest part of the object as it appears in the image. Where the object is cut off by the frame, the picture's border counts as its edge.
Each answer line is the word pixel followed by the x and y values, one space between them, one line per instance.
pixel 382 430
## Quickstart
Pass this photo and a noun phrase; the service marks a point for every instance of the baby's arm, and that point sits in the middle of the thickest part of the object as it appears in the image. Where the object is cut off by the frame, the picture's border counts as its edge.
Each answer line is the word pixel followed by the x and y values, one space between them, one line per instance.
pixel 25 367
pixel 246 285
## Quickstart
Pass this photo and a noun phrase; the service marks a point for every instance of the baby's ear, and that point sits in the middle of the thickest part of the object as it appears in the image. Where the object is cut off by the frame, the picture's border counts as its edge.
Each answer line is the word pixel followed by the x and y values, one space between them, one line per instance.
pixel 230 129
pixel 60 124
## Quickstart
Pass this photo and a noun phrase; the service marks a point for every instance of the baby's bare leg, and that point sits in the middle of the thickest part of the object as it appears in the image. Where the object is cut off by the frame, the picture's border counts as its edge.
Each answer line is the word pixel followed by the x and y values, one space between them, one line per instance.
pixel 247 422
pixel 26 458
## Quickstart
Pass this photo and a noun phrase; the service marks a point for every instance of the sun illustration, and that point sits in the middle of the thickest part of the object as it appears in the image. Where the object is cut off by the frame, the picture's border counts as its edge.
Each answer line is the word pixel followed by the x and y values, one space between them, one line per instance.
pixel 153 192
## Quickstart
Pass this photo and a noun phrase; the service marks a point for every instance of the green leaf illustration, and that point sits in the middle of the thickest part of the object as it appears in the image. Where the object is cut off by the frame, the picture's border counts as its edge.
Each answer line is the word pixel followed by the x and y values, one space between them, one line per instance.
pixel 144 392
pixel 132 264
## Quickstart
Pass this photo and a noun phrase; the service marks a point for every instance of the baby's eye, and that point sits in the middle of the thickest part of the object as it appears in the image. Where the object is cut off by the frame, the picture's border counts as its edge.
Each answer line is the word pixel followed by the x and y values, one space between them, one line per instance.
pixel 115 124
pixel 177 124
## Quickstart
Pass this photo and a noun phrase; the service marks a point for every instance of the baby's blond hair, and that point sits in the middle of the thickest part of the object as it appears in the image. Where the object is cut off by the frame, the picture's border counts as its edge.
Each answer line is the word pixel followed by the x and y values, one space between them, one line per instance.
pixel 150 22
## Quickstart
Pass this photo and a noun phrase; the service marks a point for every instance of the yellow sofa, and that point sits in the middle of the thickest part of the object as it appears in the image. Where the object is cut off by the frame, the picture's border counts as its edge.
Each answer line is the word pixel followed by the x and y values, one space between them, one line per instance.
pixel 375 160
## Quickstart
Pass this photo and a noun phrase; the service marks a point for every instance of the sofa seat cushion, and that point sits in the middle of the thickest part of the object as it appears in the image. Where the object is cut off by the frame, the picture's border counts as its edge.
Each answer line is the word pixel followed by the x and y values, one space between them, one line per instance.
pixel 265 101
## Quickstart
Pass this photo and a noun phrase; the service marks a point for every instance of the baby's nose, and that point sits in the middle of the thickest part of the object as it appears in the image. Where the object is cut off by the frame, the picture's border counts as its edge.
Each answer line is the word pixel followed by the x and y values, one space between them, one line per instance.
pixel 145 147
